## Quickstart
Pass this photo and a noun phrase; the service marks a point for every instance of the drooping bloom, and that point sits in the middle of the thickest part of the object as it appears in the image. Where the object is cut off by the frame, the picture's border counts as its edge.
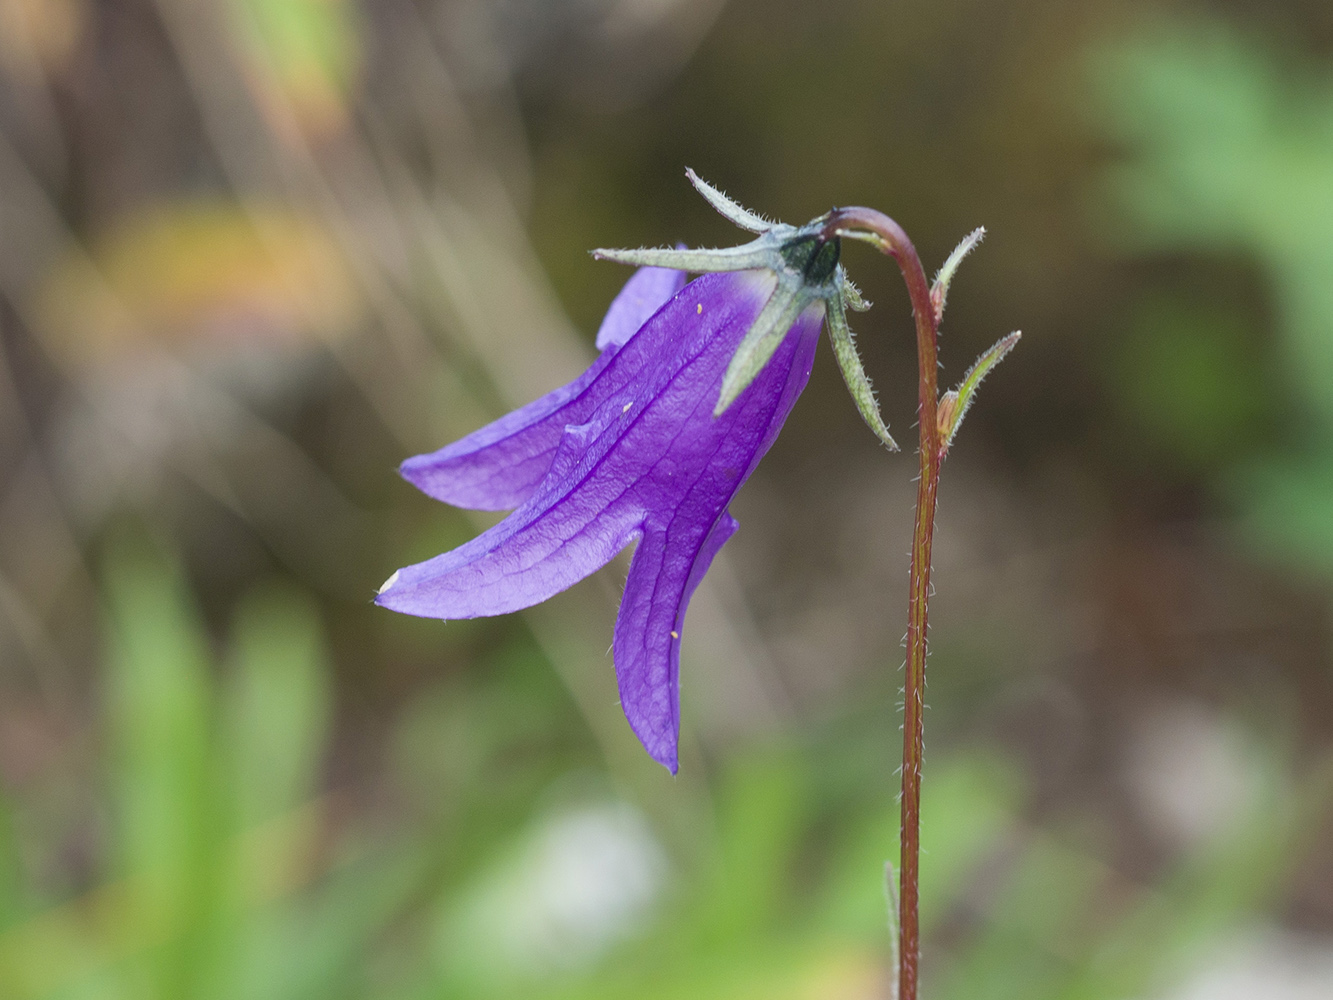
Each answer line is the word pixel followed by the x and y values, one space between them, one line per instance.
pixel 648 446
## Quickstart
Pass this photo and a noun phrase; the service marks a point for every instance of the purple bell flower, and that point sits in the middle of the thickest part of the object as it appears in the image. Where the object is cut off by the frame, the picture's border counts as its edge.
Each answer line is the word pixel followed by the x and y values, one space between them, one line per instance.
pixel 648 446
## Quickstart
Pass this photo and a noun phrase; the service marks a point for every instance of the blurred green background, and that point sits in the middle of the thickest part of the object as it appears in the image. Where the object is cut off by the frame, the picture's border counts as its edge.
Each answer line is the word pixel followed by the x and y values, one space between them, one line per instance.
pixel 255 252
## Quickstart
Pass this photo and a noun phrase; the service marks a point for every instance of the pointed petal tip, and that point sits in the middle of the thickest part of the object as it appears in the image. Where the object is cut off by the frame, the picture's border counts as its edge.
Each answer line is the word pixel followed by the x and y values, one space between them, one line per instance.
pixel 387 585
pixel 411 471
pixel 660 742
pixel 417 471
pixel 667 756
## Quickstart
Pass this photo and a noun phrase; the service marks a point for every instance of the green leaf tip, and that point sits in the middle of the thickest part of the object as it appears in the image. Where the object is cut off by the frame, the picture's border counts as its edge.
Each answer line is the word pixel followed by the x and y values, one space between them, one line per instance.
pixel 939 292
pixel 853 373
pixel 954 404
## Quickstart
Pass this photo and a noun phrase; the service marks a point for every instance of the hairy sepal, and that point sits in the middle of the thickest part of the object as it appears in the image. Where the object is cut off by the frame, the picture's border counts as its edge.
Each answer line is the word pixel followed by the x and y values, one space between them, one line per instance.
pixel 769 328
pixel 853 372
pixel 727 208
pixel 757 253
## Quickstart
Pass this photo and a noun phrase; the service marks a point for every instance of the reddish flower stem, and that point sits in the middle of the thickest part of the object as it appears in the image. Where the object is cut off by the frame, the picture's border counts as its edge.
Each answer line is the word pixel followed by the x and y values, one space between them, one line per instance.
pixel 881 231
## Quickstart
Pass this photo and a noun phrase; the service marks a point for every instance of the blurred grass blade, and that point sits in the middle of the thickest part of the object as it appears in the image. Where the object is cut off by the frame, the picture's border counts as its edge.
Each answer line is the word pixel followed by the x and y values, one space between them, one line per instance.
pixel 304 57
pixel 160 707
pixel 895 959
pixel 159 704
pixel 276 711
pixel 11 885
pixel 767 800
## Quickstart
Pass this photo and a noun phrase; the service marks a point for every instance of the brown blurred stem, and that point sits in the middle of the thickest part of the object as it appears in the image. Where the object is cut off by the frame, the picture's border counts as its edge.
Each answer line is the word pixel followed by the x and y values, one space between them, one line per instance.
pixel 879 230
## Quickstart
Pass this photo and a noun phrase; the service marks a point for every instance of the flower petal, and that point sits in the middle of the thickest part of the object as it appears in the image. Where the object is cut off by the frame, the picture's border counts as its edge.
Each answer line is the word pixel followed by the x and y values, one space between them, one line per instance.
pixel 536 552
pixel 666 569
pixel 647 291
pixel 687 523
pixel 498 466
pixel 652 463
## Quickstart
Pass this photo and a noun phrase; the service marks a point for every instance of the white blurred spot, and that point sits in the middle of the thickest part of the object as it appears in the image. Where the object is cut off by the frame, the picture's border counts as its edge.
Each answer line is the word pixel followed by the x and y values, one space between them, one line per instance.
pixel 1264 964
pixel 1192 772
pixel 580 882
pixel 390 582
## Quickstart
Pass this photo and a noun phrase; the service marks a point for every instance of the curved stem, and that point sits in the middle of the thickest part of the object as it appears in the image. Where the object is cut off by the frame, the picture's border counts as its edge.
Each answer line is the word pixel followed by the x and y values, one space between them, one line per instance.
pixel 881 231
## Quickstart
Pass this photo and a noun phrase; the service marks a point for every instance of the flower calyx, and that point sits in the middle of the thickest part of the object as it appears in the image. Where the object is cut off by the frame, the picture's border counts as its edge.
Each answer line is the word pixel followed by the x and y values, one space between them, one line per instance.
pixel 804 262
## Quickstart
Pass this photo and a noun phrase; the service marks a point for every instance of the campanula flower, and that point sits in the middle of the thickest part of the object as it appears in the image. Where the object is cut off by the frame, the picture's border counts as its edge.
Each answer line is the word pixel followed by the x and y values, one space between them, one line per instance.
pixel 648 446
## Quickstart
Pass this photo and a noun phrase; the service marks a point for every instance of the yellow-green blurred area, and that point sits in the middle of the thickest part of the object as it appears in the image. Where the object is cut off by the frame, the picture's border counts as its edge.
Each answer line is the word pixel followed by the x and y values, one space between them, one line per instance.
pixel 253 253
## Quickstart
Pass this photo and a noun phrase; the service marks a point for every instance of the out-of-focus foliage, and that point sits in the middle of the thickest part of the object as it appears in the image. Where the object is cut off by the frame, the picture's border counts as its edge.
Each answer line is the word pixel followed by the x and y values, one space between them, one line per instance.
pixel 1229 150
pixel 40 34
pixel 255 252
pixel 1190 377
pixel 197 271
pixel 305 55
pixel 223 881
pixel 216 819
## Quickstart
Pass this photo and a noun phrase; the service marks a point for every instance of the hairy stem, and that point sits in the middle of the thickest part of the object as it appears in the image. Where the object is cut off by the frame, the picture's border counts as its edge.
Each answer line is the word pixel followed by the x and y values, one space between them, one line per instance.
pixel 881 231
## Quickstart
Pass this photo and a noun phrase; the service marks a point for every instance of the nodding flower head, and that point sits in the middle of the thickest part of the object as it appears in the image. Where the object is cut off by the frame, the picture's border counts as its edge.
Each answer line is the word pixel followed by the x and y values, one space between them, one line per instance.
pixel 649 445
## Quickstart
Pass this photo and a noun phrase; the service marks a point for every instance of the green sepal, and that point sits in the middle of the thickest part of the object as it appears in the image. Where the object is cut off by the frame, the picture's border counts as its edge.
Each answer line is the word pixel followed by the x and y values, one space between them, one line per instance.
pixel 851 295
pixel 762 339
pixel 727 208
pixel 853 373
pixel 939 292
pixel 756 253
pixel 954 404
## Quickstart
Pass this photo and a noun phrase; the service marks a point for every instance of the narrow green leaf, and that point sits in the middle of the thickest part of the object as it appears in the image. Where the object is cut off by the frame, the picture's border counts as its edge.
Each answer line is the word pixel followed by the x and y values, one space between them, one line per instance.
pixel 954 404
pixel 858 384
pixel 939 292
pixel 763 338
